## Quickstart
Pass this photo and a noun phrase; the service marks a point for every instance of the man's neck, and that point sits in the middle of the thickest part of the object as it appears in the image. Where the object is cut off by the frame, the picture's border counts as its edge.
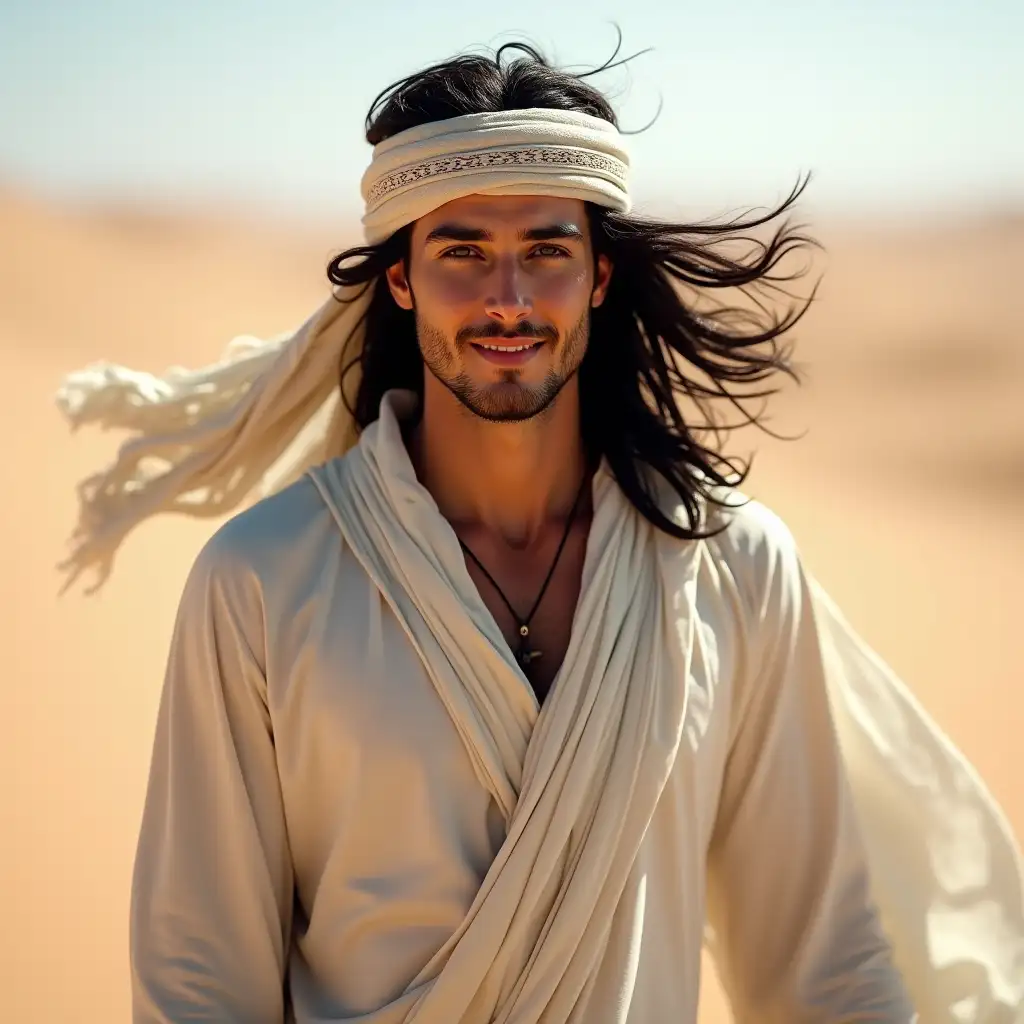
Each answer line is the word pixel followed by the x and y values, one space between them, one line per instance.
pixel 511 479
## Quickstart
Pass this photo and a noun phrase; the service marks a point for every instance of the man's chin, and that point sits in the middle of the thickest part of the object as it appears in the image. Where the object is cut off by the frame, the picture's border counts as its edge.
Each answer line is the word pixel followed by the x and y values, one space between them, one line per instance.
pixel 507 402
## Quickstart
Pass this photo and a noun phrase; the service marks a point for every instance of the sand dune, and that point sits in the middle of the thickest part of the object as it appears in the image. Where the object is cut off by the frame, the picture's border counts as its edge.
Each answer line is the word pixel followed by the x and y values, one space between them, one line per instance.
pixel 907 497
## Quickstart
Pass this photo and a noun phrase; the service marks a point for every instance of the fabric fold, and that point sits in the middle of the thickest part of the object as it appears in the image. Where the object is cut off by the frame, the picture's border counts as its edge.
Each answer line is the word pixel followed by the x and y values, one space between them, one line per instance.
pixel 578 782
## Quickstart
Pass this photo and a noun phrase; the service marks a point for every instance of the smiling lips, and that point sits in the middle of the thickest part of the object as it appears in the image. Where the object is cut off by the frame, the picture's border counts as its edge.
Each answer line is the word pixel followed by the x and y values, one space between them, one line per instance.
pixel 507 354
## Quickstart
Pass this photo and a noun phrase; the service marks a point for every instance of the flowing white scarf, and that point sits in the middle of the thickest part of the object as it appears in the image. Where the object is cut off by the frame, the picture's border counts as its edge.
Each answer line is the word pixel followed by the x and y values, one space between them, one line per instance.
pixel 206 439
pixel 944 862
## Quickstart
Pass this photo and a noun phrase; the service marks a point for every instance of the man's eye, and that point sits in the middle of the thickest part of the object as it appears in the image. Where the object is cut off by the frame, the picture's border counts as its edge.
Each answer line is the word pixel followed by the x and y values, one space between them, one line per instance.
pixel 548 251
pixel 458 252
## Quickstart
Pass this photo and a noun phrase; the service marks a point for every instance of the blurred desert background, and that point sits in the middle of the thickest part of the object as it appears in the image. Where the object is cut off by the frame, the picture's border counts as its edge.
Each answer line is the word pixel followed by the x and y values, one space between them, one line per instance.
pixel 906 494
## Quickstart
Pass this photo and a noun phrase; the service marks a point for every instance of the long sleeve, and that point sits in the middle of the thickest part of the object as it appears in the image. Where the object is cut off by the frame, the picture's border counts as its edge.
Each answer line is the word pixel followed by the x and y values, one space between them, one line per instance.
pixel 794 929
pixel 212 886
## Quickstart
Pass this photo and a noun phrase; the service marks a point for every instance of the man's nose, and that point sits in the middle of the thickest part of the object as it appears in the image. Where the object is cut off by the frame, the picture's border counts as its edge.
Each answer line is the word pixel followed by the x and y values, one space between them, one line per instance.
pixel 509 301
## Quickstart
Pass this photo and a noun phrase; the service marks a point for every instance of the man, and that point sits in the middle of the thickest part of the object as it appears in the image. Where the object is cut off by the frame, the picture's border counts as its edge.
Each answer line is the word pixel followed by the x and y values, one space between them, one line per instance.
pixel 505 694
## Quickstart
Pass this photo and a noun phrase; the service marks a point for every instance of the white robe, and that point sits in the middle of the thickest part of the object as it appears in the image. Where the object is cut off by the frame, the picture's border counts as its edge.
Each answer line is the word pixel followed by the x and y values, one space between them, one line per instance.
pixel 319 825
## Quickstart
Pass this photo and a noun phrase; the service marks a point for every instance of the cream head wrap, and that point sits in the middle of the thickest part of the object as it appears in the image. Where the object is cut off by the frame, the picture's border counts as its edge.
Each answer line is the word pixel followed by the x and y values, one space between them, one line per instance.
pixel 202 440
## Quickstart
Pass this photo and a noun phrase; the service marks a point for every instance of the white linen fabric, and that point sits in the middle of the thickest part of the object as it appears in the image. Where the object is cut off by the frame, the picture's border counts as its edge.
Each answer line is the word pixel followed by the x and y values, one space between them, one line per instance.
pixel 514 152
pixel 354 787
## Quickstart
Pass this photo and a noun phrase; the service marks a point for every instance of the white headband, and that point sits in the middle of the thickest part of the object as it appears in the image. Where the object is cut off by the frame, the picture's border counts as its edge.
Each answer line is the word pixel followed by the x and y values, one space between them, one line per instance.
pixel 516 152
pixel 203 440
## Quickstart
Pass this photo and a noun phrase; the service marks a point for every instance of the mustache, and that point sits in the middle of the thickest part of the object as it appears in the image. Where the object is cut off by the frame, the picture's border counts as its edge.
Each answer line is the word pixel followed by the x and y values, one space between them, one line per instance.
pixel 496 330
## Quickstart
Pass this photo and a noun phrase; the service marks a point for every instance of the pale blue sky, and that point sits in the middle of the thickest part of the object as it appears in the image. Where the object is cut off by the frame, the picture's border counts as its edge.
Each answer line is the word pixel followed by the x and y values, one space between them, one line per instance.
pixel 900 104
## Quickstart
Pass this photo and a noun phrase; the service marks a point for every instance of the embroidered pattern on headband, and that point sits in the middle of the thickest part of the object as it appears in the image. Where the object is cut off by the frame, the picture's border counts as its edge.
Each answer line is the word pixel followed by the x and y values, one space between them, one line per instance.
pixel 545 155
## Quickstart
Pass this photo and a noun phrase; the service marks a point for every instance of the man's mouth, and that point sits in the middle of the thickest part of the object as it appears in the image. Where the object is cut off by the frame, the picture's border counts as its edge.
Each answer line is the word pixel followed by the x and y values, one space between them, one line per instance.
pixel 511 353
pixel 507 348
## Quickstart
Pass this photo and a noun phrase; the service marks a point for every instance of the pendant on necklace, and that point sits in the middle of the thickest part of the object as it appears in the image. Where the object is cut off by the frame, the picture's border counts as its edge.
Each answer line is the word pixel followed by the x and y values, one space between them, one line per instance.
pixel 524 655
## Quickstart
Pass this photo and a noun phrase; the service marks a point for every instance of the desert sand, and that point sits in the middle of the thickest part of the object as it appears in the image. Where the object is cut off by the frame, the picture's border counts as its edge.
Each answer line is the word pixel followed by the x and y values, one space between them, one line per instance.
pixel 906 495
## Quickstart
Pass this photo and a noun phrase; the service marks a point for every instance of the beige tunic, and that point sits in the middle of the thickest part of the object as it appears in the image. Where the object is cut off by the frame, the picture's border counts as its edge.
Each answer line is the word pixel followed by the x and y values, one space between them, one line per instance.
pixel 314 830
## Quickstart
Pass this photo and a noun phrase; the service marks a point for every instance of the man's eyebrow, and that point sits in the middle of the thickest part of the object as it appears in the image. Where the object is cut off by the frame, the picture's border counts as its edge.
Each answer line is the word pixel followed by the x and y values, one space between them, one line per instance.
pixel 462 233
pixel 457 233
pixel 552 233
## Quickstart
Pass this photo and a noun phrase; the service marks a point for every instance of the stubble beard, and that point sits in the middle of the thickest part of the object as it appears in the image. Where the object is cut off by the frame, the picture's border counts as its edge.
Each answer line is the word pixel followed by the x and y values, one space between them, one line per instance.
pixel 508 400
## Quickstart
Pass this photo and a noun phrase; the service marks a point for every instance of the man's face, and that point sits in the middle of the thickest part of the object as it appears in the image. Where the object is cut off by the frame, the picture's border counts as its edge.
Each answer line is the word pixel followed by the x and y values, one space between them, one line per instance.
pixel 502 288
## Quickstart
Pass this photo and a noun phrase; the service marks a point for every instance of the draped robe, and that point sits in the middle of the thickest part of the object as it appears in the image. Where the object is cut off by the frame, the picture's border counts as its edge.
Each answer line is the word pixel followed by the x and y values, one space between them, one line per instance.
pixel 357 811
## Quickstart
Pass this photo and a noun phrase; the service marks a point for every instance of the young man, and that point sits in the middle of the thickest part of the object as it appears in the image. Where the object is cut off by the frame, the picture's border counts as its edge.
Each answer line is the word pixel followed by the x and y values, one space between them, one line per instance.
pixel 485 714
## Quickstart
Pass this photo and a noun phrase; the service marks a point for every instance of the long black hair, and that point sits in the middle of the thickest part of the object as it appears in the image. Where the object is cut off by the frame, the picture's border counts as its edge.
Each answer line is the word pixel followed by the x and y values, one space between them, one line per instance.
pixel 661 346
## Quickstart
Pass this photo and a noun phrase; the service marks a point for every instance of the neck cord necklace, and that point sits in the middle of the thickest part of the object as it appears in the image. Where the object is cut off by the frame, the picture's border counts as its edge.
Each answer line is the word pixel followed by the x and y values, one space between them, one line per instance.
pixel 524 653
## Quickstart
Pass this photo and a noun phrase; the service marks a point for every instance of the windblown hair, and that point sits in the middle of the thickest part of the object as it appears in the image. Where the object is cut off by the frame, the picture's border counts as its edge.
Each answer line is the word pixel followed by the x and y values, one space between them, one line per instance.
pixel 660 340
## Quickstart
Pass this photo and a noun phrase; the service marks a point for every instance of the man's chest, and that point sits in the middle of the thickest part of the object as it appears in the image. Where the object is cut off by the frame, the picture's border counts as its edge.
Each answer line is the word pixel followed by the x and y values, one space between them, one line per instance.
pixel 366 738
pixel 533 600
